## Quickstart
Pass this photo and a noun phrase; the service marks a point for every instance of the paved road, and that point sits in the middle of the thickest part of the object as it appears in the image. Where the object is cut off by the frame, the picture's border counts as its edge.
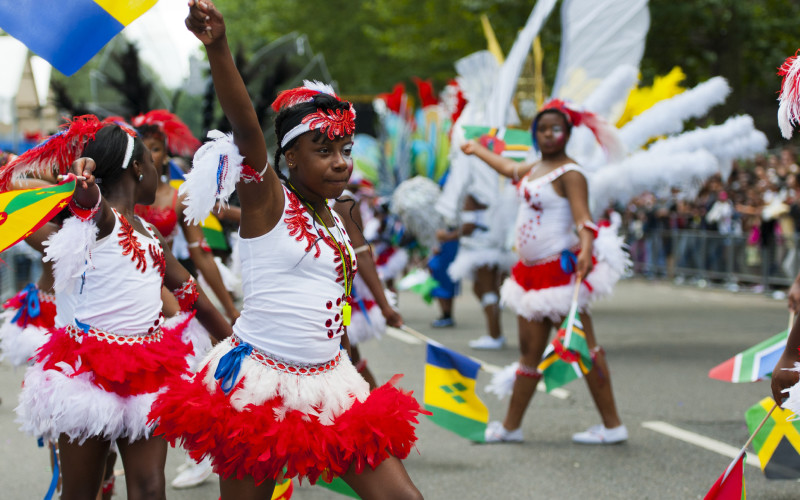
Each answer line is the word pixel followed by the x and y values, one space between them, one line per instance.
pixel 661 340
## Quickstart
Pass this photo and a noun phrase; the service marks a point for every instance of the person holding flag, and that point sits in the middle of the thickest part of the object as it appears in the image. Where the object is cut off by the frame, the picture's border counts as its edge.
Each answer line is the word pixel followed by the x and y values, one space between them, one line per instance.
pixel 93 382
pixel 557 243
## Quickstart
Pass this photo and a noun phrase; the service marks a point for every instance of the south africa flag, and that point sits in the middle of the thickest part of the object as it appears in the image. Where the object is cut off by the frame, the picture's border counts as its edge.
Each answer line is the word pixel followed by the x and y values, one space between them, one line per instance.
pixel 755 363
pixel 24 211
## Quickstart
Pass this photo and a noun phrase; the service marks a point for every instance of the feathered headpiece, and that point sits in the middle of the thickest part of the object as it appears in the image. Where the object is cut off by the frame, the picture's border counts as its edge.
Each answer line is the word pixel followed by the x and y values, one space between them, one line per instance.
pixel 604 132
pixel 425 91
pixel 789 108
pixel 59 150
pixel 180 140
pixel 333 122
pixel 394 99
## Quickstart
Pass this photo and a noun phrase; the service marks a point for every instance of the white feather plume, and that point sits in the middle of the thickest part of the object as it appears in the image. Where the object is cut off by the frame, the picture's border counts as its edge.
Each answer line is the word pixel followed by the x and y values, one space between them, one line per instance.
pixel 70 250
pixel 789 108
pixel 209 181
pixel 319 87
pixel 667 116
pixel 612 91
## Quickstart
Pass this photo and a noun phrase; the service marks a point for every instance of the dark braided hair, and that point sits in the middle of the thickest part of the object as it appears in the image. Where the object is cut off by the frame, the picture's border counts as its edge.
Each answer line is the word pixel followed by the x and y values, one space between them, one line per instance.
pixel 108 151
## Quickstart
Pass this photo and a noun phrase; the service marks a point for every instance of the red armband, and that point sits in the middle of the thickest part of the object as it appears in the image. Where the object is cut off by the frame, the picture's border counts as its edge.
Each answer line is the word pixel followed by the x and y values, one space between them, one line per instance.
pixel 187 294
pixel 84 213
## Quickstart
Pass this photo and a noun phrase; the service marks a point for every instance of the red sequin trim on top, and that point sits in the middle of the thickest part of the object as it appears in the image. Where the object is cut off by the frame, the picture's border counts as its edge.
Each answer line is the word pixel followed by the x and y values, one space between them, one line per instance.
pixel 130 244
pixel 160 263
pixel 298 224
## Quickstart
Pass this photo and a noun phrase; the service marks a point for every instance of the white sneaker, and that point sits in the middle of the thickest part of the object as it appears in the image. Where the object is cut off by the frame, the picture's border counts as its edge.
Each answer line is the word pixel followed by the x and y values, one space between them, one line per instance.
pixel 185 465
pixel 488 343
pixel 194 475
pixel 599 434
pixel 496 433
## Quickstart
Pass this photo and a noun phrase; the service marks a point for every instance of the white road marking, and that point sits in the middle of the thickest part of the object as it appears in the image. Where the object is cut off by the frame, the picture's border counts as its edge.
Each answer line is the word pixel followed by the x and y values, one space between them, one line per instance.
pixel 719 447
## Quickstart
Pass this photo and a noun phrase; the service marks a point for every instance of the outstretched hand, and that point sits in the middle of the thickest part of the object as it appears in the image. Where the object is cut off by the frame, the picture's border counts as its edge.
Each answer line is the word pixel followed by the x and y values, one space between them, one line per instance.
pixel 469 147
pixel 205 21
pixel 783 378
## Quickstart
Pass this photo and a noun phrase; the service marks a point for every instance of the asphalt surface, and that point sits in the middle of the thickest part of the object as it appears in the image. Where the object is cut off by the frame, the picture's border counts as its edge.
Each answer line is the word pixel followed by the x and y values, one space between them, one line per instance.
pixel 660 340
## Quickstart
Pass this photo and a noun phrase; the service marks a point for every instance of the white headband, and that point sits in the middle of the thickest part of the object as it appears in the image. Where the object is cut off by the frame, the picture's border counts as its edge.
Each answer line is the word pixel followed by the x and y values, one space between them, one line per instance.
pixel 128 152
pixel 297 131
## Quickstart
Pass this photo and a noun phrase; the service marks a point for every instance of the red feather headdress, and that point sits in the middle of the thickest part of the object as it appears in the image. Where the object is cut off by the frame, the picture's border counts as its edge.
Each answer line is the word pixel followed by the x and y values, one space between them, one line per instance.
pixel 59 151
pixel 180 140
pixel 334 123
pixel 789 108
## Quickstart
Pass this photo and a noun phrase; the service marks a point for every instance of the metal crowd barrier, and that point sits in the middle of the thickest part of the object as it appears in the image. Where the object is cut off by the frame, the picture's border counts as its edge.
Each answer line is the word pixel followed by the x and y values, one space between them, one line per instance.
pixel 685 254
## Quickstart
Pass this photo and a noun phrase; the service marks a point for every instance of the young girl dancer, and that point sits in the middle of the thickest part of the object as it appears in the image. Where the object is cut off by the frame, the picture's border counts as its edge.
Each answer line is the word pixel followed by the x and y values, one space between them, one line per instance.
pixel 163 132
pixel 94 381
pixel 280 395
pixel 554 206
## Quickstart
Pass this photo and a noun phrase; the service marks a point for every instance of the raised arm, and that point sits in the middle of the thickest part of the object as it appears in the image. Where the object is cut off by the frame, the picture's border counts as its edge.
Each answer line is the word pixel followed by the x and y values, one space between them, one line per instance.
pixel 782 378
pixel 504 166
pixel 262 202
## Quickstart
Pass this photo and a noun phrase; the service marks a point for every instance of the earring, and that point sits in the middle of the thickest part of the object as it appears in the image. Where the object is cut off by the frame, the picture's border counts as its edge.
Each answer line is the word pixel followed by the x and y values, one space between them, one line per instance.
pixel 141 176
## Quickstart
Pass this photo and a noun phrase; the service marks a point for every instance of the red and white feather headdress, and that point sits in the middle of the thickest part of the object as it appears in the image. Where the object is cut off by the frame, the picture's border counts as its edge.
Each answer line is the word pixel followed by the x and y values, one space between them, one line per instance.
pixel 56 153
pixel 789 108
pixel 334 123
pixel 605 133
pixel 180 140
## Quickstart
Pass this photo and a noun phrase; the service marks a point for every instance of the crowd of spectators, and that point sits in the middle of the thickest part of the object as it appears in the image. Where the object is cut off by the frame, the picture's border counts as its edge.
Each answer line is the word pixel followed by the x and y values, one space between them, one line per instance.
pixel 743 228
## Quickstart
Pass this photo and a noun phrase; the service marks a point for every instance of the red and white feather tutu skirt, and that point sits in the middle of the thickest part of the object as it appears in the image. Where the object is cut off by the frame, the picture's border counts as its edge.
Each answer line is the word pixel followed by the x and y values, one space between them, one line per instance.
pixel 98 384
pixel 26 320
pixel 276 415
pixel 544 289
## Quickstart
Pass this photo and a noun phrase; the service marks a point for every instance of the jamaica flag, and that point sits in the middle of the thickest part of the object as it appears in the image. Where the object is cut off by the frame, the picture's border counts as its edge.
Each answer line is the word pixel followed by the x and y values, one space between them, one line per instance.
pixel 778 441
pixel 450 393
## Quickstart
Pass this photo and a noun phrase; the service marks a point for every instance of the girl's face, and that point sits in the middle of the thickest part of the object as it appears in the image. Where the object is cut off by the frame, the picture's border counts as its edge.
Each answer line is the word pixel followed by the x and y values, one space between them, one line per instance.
pixel 321 167
pixel 146 193
pixel 551 133
pixel 159 150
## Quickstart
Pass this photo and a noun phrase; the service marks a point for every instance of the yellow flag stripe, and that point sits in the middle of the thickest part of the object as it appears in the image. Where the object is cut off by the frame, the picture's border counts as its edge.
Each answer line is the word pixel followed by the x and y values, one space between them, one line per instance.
pixel 125 11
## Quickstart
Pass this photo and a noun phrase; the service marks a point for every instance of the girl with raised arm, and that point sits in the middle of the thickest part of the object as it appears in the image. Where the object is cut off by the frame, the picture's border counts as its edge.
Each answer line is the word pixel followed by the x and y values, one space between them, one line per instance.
pixel 281 397
pixel 557 243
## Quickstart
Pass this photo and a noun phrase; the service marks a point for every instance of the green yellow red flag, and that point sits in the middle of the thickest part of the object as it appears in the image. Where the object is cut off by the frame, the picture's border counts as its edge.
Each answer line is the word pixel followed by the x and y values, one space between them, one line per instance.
pixel 567 357
pixel 24 211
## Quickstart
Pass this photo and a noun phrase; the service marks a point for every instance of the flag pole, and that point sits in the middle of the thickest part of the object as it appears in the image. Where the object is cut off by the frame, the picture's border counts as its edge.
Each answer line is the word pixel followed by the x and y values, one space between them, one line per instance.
pixel 791 321
pixel 421 336
pixel 750 440
pixel 572 310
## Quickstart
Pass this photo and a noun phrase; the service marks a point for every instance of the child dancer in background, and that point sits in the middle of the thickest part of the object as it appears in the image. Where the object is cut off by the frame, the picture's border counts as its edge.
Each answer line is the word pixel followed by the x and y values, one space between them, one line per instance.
pixel 281 397
pixel 554 218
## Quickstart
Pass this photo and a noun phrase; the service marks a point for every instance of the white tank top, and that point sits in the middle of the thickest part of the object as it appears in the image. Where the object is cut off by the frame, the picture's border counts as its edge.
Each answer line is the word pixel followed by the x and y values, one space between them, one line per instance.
pixel 293 284
pixel 545 225
pixel 122 293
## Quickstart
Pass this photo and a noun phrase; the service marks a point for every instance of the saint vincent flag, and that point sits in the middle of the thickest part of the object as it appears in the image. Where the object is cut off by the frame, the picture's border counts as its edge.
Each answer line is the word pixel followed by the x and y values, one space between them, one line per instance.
pixel 567 357
pixel 730 487
pixel 24 211
pixel 212 227
pixel 755 363
pixel 68 33
pixel 507 142
pixel 778 442
pixel 450 396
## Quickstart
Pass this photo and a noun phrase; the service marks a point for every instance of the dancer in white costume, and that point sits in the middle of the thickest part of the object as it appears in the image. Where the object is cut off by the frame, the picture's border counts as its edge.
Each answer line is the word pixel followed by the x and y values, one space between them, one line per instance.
pixel 94 380
pixel 554 203
pixel 281 398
